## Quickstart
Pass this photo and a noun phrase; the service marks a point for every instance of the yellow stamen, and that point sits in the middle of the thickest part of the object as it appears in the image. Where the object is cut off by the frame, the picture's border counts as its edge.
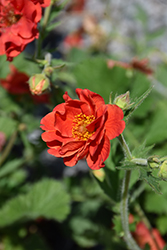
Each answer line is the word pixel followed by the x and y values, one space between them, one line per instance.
pixel 79 130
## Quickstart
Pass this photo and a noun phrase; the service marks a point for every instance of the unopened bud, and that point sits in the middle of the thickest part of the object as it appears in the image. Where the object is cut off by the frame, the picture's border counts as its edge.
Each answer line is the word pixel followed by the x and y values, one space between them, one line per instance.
pixel 153 162
pixel 38 84
pixel 163 171
pixel 99 174
pixel 123 101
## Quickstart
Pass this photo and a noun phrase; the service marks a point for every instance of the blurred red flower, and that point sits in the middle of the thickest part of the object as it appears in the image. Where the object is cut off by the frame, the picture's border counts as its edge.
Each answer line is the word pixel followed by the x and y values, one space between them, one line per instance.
pixel 142 236
pixel 16 83
pixel 82 128
pixel 43 3
pixel 18 25
pixel 140 65
pixel 74 39
pixel 76 6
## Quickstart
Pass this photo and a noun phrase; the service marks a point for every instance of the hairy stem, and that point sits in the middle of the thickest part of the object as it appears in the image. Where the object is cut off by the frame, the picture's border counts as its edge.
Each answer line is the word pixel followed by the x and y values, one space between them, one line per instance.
pixel 43 27
pixel 131 243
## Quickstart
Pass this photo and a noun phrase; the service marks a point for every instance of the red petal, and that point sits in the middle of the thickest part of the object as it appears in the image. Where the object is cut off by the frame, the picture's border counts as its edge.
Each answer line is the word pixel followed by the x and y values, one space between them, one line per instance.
pixel 85 96
pixel 48 121
pixel 66 97
pixel 114 124
pixel 97 99
pixel 70 161
pixel 97 160
pixel 71 148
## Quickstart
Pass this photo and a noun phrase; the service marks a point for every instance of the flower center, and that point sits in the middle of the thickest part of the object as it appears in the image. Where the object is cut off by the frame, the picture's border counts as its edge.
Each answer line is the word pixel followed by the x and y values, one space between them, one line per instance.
pixel 79 129
pixel 8 16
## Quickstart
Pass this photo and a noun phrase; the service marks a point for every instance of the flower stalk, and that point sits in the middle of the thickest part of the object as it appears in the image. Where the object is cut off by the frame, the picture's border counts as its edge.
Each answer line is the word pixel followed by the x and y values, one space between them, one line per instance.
pixel 43 27
pixel 124 200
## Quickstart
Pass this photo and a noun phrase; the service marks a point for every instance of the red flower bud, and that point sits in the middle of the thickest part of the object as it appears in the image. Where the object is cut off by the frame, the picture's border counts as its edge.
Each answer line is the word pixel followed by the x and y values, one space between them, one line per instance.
pixel 38 84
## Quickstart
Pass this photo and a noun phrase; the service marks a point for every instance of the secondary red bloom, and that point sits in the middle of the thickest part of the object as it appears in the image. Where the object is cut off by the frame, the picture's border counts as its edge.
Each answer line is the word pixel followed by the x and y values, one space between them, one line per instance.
pixel 43 3
pixel 82 128
pixel 142 235
pixel 140 65
pixel 18 25
pixel 74 39
pixel 76 6
pixel 16 82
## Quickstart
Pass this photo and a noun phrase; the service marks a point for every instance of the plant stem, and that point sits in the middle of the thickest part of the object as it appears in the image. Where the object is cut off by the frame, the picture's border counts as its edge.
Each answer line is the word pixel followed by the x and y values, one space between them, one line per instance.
pixel 44 24
pixel 8 147
pixel 124 201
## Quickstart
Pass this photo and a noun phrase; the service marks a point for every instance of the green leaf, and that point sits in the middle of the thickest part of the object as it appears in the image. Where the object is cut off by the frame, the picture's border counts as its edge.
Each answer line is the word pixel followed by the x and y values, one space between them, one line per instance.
pixel 162 224
pixel 155 203
pixel 141 14
pixel 155 34
pixel 117 225
pixel 7 125
pixel 11 166
pixel 150 179
pixel 157 131
pixel 47 198
pixel 84 234
pixel 142 151
pixel 95 75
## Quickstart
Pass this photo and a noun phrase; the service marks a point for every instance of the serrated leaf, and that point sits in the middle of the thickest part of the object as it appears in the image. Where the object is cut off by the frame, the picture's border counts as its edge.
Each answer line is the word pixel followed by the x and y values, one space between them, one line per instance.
pixel 150 179
pixel 117 225
pixel 142 150
pixel 47 198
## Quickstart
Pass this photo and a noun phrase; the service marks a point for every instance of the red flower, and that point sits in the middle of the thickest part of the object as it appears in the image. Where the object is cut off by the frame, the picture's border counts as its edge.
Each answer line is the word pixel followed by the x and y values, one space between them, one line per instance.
pixel 74 39
pixel 82 128
pixel 140 65
pixel 18 25
pixel 76 6
pixel 142 235
pixel 43 3
pixel 16 83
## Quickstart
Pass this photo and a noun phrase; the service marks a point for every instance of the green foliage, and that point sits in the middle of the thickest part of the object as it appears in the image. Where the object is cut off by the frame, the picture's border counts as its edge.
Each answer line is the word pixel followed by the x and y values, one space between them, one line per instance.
pixel 11 166
pixel 8 125
pixel 47 198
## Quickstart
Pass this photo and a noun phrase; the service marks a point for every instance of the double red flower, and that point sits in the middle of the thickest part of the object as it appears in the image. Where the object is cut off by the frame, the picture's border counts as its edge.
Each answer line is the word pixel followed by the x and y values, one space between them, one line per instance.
pixel 82 128
pixel 18 24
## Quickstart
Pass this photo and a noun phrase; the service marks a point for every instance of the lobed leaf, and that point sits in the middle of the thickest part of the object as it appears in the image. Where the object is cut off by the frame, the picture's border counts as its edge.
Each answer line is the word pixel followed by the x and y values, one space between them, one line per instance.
pixel 47 198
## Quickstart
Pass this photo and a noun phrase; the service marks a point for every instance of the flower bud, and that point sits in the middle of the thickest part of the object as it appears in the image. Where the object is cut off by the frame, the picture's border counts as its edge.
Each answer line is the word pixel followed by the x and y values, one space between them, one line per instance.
pixel 153 162
pixel 99 174
pixel 38 84
pixel 163 171
pixel 123 101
